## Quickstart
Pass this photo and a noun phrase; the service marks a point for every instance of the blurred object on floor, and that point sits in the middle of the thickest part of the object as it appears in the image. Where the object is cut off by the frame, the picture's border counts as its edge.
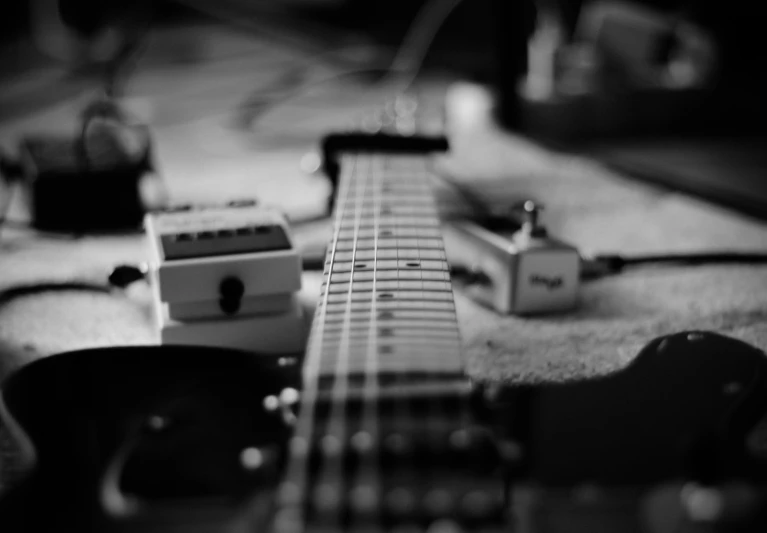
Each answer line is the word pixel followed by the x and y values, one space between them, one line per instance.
pixel 627 68
pixel 669 94
pixel 728 170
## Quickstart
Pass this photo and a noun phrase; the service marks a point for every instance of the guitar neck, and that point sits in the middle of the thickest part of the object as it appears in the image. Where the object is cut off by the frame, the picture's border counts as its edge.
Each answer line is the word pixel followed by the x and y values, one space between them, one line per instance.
pixel 387 303
pixel 383 374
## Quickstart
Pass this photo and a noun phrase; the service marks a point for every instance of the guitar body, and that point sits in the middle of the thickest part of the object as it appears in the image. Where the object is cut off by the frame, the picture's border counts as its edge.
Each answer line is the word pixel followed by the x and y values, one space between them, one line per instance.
pixel 387 434
pixel 681 409
pixel 115 434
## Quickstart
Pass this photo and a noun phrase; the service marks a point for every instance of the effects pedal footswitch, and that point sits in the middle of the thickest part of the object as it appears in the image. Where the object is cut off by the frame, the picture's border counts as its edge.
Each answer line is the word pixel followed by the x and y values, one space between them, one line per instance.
pixel 525 272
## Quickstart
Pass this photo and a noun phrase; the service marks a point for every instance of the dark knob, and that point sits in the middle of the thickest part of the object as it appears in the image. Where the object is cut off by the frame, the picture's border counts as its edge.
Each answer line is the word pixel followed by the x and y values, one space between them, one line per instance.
pixel 231 290
pixel 124 275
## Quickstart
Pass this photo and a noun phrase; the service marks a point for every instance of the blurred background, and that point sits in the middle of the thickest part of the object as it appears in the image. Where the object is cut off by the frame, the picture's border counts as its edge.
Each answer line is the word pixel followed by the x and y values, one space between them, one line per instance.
pixel 670 92
pixel 227 99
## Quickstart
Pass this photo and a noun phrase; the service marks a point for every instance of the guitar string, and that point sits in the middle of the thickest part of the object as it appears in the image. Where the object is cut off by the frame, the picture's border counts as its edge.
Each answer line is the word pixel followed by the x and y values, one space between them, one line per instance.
pixel 407 412
pixel 366 483
pixel 318 332
pixel 364 495
pixel 330 487
pixel 292 495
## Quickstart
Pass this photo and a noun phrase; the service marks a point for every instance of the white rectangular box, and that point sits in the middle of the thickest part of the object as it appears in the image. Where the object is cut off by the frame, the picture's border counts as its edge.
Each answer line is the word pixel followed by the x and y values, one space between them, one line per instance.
pixel 540 278
pixel 283 333
pixel 199 279
pixel 249 305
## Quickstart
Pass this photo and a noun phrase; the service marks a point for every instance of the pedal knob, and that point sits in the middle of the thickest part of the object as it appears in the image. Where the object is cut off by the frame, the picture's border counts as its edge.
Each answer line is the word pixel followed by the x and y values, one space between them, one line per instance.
pixel 525 273
pixel 531 226
pixel 231 290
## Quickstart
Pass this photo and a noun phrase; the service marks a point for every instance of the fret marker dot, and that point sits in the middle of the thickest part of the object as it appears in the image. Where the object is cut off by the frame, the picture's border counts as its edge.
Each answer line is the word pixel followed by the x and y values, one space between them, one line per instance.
pixel 383 295
pixel 360 265
pixel 385 332
pixel 385 315
pixel 413 264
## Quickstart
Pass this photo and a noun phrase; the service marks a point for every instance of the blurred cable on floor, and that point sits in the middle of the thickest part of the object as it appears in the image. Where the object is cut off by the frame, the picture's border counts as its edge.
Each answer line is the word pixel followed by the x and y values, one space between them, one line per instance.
pixel 396 76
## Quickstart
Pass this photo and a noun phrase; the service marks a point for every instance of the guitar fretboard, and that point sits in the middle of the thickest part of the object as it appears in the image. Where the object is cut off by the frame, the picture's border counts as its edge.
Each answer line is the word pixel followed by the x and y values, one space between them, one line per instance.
pixel 383 371
pixel 387 302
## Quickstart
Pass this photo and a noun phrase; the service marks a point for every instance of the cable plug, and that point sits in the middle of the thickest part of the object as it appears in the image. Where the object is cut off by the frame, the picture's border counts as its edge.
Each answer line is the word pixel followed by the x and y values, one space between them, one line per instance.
pixel 597 266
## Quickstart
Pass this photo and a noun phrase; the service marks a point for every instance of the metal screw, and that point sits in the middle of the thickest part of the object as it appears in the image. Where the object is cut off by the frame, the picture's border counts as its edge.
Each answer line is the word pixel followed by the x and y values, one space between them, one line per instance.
pixel 531 226
pixel 532 211
pixel 287 361
pixel 662 345
pixel 157 422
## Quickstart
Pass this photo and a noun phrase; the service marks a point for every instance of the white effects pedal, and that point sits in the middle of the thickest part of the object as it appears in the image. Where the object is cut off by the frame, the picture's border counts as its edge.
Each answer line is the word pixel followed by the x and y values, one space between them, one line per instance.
pixel 523 273
pixel 226 276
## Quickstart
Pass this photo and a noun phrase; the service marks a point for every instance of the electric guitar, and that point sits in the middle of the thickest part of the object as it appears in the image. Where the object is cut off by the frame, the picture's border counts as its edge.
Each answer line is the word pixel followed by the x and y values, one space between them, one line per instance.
pixel 377 428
